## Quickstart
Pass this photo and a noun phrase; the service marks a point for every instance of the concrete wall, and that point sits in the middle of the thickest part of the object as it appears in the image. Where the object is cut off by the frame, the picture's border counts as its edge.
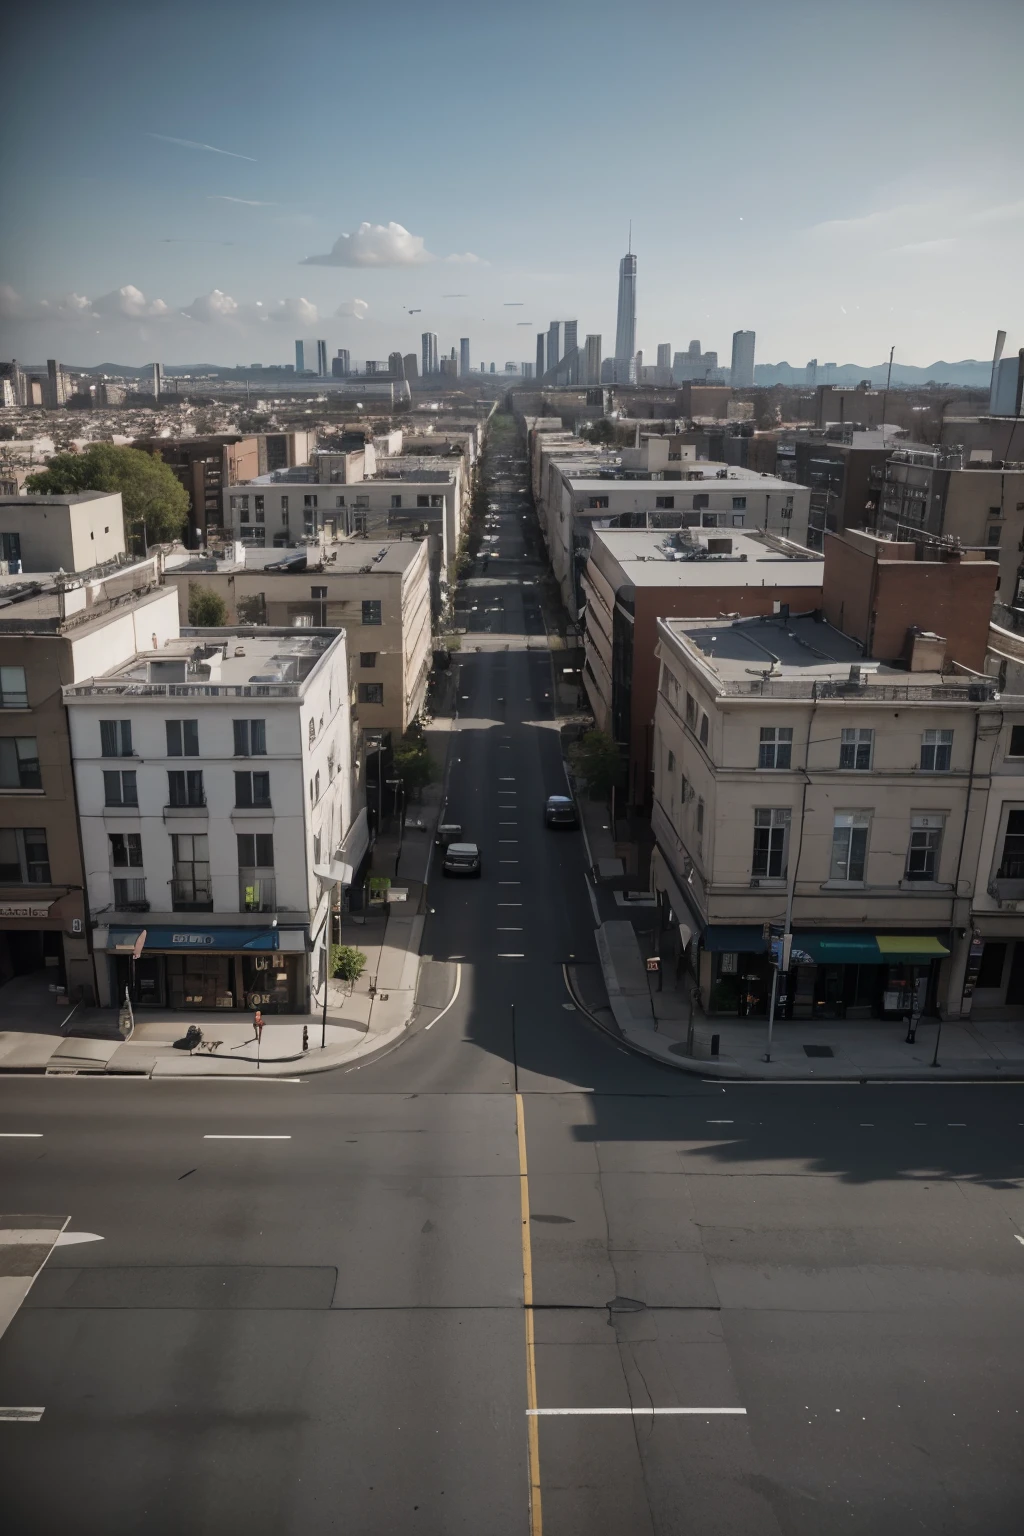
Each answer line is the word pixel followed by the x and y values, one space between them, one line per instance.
pixel 61 535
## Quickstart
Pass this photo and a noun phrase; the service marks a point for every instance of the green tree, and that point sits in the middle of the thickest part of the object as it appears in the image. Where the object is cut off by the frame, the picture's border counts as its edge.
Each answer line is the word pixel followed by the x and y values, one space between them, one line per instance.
pixel 413 764
pixel 600 431
pixel 597 758
pixel 151 496
pixel 206 609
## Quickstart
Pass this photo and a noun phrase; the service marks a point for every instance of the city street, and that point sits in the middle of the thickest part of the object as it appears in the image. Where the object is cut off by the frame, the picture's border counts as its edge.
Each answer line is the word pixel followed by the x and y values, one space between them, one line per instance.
pixel 797 1306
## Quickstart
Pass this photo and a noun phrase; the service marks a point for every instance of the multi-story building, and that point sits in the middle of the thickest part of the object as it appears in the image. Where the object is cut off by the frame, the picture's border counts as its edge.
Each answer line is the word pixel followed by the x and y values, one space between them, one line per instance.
pixel 593 362
pixel 635 577
pixel 61 533
pixel 665 354
pixel 741 374
pixel 464 361
pixel 428 345
pixel 554 347
pixel 802 786
pixel 341 364
pixel 213 775
pixel 696 367
pixel 378 593
pixel 841 468
pixel 411 367
pixel 570 341
pixel 526 369
pixel 205 466
pixel 541 353
pixel 56 630
pixel 625 324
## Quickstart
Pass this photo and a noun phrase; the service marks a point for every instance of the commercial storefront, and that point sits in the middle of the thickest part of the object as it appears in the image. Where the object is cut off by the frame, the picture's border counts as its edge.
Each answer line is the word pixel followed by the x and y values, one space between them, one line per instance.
pixel 46 934
pixel 834 973
pixel 209 969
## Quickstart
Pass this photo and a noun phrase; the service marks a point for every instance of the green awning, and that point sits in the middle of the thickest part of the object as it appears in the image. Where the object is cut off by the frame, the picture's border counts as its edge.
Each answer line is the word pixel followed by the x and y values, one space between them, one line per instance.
pixel 859 947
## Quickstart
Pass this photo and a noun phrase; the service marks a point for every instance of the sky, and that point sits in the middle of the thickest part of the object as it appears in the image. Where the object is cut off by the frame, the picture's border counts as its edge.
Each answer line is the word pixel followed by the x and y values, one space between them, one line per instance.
pixel 207 182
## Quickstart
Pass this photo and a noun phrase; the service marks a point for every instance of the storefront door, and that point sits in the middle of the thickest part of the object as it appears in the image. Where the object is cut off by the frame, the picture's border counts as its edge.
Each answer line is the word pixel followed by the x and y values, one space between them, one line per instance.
pixel 199 981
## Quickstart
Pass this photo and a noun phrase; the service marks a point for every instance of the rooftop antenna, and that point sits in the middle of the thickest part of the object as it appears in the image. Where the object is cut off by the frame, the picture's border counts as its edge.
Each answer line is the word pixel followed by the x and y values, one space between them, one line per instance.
pixel 629 247
pixel 885 396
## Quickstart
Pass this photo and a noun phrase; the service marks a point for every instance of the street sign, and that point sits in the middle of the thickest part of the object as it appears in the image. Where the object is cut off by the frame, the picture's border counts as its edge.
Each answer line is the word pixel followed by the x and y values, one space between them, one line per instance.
pixel 653 962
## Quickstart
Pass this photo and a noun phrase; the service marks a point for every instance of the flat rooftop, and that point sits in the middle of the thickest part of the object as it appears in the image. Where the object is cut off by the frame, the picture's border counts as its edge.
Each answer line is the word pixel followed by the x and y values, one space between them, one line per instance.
pixel 659 558
pixel 802 656
pixel 692 471
pixel 216 663
pixel 392 557
pixel 75 499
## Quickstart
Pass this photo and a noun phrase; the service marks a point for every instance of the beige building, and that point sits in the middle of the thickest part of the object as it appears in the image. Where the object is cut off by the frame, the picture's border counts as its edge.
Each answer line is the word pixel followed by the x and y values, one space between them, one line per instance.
pixel 69 533
pixel 54 633
pixel 865 808
pixel 378 592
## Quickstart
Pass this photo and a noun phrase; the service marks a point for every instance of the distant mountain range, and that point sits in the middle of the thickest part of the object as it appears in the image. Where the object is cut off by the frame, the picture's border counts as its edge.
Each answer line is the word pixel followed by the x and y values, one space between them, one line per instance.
pixel 968 374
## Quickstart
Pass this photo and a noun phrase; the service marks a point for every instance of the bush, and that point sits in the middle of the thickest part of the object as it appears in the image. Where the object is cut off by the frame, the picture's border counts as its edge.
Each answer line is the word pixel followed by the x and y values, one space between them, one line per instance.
pixel 206 609
pixel 347 963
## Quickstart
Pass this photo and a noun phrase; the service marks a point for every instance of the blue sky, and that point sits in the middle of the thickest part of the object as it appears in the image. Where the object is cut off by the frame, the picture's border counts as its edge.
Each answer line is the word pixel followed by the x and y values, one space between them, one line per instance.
pixel 837 177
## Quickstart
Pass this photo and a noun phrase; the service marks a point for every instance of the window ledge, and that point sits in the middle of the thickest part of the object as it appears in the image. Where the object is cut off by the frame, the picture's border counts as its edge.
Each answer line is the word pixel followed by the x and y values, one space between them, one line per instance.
pixel 926 887
pixel 22 793
pixel 768 882
pixel 844 885
pixel 247 812
pixel 121 810
pixel 176 812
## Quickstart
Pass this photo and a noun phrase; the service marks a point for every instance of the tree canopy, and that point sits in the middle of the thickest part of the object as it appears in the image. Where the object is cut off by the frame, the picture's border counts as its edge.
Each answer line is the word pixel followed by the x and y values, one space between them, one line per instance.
pixel 206 609
pixel 597 758
pixel 151 495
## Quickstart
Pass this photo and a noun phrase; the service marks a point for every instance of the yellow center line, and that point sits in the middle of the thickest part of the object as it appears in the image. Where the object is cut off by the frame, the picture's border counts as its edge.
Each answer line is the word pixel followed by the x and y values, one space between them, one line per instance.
pixel 532 1425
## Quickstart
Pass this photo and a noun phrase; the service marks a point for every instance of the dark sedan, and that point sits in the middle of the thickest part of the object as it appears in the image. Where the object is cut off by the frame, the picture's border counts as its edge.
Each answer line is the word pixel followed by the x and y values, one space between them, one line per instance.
pixel 560 811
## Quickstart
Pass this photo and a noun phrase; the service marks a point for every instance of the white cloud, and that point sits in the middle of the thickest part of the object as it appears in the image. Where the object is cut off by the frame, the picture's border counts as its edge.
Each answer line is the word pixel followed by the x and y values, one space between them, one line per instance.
pixel 211 308
pixel 294 311
pixel 467 259
pixel 375 245
pixel 192 144
pixel 247 202
pixel 12 305
pixel 352 309
pixel 130 302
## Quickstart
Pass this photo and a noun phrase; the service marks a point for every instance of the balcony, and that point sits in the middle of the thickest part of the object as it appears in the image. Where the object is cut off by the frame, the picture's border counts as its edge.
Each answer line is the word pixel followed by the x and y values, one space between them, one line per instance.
pixel 191 896
pixel 257 892
pixel 130 896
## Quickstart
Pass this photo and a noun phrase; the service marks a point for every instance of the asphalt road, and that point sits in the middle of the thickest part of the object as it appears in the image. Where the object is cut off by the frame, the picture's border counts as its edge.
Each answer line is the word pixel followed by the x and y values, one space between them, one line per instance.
pixel 327 1333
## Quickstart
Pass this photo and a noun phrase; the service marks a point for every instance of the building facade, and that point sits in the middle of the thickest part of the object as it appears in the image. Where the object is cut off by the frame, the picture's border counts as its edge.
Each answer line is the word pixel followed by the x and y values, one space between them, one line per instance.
pixel 741 374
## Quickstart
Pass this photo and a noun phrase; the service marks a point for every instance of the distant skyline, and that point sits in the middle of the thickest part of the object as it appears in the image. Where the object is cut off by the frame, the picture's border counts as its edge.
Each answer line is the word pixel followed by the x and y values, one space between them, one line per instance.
pixel 189 211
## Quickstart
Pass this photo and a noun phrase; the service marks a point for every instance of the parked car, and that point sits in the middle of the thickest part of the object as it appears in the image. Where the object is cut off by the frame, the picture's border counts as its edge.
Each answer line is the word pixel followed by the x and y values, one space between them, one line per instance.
pixel 447 832
pixel 560 811
pixel 461 859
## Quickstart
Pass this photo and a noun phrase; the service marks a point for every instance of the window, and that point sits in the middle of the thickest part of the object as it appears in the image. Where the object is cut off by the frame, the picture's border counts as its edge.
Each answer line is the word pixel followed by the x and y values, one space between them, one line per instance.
pixel 260 504
pixel 256 851
pixel 990 971
pixel 371 610
pixel 367 658
pixel 438 501
pixel 190 885
pixel 776 748
pixel 318 594
pixel 252 789
pixel 396 503
pixel 597 502
pixel 371 693
pixel 923 852
pixel 316 786
pixel 13 693
pixel 185 788
pixel 423 501
pixel 856 748
pixel 664 503
pixel 737 521
pixel 130 894
pixel 10 543
pixel 250 738
pixel 116 738
pixel 244 514
pixel 309 502
pixel 19 763
pixel 125 850
pixel 23 856
pixel 849 845
pixel 182 738
pixel 1016 741
pixel 701 501
pixel 671 760
pixel 771 836
pixel 119 788
pixel 1011 865
pixel 703 729
pixel 936 751
pixel 700 817
pixel 691 711
pixel 739 503
pixel 254 538
pixel 994 535
pixel 284 511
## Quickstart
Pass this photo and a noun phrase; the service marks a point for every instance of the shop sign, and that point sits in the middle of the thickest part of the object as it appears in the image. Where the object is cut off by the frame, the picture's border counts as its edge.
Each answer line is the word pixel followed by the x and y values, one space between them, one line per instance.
pixel 25 908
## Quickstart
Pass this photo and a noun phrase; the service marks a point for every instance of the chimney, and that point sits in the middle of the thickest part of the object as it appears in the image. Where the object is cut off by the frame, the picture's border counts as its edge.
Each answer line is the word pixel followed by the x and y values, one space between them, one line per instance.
pixel 926 652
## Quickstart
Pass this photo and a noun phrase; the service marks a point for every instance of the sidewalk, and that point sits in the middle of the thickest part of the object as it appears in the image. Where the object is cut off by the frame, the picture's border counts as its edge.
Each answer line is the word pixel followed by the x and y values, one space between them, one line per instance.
pixel 658 1023
pixel 362 1019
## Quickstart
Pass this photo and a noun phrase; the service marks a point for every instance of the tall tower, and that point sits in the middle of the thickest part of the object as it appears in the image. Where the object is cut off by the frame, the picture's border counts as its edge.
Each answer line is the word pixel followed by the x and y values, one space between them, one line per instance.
pixel 300 357
pixel 741 375
pixel 540 354
pixel 554 344
pixel 570 335
pixel 321 359
pixel 625 327
pixel 593 364
pixel 664 354
pixel 428 348
pixel 463 356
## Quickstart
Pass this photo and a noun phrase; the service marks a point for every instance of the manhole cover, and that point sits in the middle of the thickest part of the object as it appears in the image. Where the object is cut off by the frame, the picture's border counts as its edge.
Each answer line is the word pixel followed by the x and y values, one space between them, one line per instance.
pixel 818 1050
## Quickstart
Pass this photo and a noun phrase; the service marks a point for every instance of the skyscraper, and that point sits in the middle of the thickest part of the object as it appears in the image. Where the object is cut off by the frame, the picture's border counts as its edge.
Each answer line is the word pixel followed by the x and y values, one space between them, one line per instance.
pixel 741 374
pixel 540 354
pixel 396 365
pixel 592 375
pixel 664 354
pixel 811 373
pixel 321 359
pixel 571 342
pixel 300 357
pixel 411 365
pixel 428 347
pixel 463 356
pixel 554 344
pixel 341 366
pixel 526 370
pixel 625 328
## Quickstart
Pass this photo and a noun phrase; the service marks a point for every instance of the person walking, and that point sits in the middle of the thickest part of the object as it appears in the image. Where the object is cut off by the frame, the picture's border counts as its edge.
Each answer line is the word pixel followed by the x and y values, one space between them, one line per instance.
pixel 257 1026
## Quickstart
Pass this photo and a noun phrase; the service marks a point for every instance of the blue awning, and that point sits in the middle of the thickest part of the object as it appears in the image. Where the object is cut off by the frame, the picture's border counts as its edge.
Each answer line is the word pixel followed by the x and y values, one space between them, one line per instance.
pixel 735 938
pixel 189 938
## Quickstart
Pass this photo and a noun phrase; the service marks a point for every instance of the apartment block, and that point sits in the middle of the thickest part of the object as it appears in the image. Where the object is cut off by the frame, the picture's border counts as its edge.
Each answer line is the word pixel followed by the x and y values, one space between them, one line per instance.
pixel 69 533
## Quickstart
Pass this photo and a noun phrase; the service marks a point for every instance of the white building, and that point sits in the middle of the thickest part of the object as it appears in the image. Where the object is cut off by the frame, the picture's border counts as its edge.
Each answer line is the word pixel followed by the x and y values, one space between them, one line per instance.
pixel 741 374
pixel 69 533
pixel 213 774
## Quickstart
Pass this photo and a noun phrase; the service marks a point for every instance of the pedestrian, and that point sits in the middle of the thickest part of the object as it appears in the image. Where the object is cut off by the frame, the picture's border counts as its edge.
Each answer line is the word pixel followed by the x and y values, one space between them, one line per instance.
pixel 305 1037
pixel 257 1026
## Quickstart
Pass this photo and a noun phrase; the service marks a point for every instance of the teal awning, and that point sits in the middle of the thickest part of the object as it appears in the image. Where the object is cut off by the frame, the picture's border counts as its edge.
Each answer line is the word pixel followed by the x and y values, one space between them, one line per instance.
pixel 855 946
